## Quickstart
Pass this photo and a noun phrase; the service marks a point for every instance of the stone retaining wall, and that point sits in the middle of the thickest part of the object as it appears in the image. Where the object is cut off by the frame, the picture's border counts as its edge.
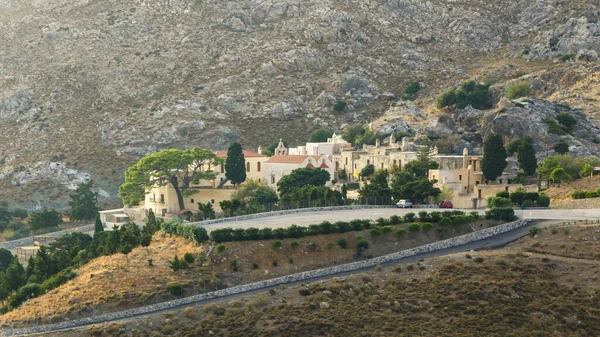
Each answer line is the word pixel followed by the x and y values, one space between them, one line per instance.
pixel 290 211
pixel 576 204
pixel 304 276
pixel 28 241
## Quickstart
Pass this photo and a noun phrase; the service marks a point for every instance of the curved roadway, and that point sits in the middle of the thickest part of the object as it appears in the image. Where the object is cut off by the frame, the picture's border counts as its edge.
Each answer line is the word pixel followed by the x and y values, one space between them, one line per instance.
pixel 308 218
pixel 497 241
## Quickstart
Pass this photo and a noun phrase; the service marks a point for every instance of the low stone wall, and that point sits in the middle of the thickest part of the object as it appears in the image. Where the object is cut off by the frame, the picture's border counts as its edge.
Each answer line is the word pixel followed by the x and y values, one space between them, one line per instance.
pixel 576 204
pixel 290 211
pixel 304 276
pixel 28 241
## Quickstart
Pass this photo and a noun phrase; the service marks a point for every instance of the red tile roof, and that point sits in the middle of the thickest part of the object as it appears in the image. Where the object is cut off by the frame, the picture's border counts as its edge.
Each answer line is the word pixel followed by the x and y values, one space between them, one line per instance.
pixel 324 166
pixel 310 165
pixel 247 154
pixel 290 159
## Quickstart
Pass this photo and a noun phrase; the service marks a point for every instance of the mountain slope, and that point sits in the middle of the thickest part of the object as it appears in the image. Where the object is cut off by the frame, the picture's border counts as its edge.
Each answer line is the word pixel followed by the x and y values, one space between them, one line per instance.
pixel 96 84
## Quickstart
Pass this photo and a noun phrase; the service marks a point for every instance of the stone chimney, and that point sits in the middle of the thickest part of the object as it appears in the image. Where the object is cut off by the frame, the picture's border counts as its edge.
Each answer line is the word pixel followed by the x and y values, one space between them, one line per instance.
pixel 465 158
pixel 377 143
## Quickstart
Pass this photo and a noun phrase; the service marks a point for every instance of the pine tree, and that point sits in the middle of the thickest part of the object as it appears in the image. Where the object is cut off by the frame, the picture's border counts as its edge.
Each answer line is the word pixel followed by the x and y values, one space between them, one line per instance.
pixel 526 158
pixel 235 165
pixel 494 157
pixel 98 226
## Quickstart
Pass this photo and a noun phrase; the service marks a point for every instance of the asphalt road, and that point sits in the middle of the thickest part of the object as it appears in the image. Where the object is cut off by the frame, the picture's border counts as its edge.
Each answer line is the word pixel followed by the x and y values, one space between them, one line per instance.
pixel 305 219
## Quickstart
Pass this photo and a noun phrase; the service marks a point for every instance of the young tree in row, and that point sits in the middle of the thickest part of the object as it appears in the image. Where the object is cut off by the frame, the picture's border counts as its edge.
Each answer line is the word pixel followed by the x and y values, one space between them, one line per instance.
pixel 235 165
pixel 178 168
pixel 494 157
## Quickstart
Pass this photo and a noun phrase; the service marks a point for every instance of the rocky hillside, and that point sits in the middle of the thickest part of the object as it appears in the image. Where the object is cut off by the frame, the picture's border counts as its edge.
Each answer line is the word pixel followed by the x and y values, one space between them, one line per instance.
pixel 86 87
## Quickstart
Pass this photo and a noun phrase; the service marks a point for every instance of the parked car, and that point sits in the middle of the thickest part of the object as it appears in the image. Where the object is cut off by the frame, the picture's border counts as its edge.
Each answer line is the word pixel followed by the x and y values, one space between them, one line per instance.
pixel 404 204
pixel 446 204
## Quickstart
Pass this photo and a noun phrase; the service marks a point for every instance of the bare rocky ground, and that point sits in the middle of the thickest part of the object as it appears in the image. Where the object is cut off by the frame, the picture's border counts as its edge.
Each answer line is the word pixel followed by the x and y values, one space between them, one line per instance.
pixel 545 285
pixel 87 87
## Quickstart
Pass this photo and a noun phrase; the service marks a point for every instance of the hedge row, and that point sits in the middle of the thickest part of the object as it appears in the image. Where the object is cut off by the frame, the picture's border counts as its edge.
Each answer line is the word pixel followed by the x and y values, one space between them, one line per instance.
pixel 500 213
pixel 579 194
pixel 193 233
pixel 326 227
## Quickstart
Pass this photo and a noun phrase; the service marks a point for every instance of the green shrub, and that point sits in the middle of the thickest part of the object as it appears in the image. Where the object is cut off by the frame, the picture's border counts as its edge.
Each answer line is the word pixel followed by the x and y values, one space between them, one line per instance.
pixel 427 227
pixel 517 90
pixel 358 238
pixel 386 230
pixel 340 105
pixel 470 93
pixel 382 222
pixel 401 232
pixel 312 246
pixel 459 220
pixel 330 245
pixel 375 233
pixel 277 244
pixel 189 258
pixel 356 224
pixel 291 261
pixel 234 265
pixel 294 244
pixel 478 259
pixel 220 249
pixel 395 220
pixel 498 202
pixel 475 215
pixel 304 292
pixel 362 245
pixel 410 217
pixel 275 263
pixel 343 243
pixel 517 197
pixel 175 289
pixel 528 203
pixel 591 194
pixel 543 200
pixel 506 213
pixel 414 228
pixel 411 91
pixel 533 231
pixel 255 265
pixel 445 221
pixel 435 216
pixel 503 194
pixel 422 215
pixel 578 194
pixel 565 119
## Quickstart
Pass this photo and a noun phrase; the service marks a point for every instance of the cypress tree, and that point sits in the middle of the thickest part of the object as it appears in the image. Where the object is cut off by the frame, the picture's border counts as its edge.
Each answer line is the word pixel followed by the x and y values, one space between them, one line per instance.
pixel 98 226
pixel 235 165
pixel 494 157
pixel 526 158
pixel 151 224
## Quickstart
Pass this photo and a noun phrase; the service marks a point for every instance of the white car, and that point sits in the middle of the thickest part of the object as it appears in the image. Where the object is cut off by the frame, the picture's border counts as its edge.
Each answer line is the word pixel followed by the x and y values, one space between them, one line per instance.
pixel 404 204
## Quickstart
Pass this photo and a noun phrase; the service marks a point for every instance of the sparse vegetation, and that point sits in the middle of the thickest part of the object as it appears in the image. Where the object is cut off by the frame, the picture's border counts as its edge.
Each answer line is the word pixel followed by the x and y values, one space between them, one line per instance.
pixel 518 90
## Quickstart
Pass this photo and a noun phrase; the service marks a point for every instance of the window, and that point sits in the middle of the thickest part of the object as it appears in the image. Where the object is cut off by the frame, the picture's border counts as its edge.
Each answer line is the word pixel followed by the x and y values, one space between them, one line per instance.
pixel 434 176
pixel 510 181
pixel 258 167
pixel 192 201
pixel 259 180
pixel 459 177
pixel 272 179
pixel 476 183
pixel 212 201
pixel 346 161
pixel 394 162
pixel 368 162
pixel 355 166
pixel 247 167
pixel 500 181
pixel 162 198
pixel 381 165
pixel 154 197
pixel 222 168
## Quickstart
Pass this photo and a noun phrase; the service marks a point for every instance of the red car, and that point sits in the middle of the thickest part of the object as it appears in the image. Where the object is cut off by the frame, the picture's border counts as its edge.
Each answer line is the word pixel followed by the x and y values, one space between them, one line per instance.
pixel 446 204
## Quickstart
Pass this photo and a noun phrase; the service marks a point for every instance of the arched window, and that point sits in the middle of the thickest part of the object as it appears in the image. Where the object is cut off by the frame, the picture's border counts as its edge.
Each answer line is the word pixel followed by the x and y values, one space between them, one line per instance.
pixel 258 167
pixel 247 167
pixel 222 168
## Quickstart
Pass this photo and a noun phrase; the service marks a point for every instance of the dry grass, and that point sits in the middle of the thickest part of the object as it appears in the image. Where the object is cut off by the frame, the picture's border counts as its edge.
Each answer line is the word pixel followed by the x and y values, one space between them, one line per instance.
pixel 565 190
pixel 112 282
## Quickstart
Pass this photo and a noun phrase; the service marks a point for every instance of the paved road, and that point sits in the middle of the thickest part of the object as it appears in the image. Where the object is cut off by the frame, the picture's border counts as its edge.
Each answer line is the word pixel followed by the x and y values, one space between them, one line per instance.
pixel 305 219
pixel 494 242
